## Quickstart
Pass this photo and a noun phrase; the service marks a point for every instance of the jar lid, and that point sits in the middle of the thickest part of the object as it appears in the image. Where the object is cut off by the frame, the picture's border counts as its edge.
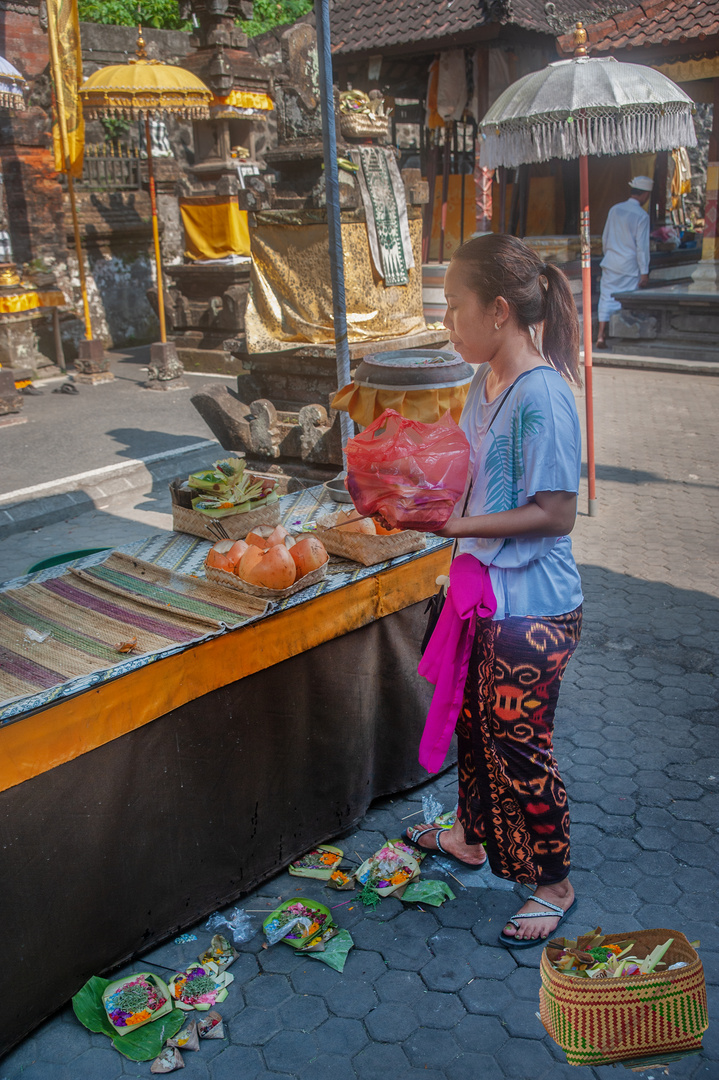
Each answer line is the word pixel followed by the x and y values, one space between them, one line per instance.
pixel 405 369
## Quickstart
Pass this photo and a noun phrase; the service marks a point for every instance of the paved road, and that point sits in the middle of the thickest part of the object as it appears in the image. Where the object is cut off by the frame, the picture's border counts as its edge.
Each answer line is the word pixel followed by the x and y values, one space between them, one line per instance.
pixel 100 425
pixel 430 994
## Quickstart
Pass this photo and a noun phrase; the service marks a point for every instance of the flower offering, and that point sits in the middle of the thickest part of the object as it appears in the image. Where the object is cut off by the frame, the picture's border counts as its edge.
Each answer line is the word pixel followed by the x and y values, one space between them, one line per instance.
pixel 319 863
pixel 130 1003
pixel 200 987
pixel 304 924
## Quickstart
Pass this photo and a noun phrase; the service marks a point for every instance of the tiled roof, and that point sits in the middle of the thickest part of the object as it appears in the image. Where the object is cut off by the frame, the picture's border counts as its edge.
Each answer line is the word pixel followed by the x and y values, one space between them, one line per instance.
pixel 667 22
pixel 385 24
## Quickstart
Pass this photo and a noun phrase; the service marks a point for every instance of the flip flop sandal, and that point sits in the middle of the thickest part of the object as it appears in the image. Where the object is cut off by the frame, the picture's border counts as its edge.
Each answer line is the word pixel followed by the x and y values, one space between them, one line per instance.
pixel 414 834
pixel 528 943
pixel 600 345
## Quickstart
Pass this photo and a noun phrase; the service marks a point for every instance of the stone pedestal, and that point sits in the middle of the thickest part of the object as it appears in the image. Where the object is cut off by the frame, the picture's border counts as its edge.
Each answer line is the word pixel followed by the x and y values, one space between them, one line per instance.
pixel 165 371
pixel 10 399
pixel 675 322
pixel 207 308
pixel 92 365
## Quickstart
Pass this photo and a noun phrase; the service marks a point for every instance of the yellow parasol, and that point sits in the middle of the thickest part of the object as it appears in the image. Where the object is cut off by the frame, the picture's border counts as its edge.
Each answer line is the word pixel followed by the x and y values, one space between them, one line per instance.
pixel 138 90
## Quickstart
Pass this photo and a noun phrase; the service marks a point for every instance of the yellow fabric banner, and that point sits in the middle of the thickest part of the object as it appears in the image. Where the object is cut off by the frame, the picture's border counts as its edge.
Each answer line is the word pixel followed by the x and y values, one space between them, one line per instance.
pixel 63 24
pixel 27 301
pixel 245 99
pixel 215 230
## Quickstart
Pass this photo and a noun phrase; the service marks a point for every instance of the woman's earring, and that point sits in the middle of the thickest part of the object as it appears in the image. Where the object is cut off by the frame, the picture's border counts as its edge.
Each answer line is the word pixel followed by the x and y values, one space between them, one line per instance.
pixel 497 326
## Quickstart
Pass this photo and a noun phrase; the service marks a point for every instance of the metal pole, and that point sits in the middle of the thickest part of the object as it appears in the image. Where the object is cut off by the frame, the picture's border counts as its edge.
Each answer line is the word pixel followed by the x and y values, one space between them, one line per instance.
pixel 332 191
pixel 587 321
pixel 155 232
pixel 62 124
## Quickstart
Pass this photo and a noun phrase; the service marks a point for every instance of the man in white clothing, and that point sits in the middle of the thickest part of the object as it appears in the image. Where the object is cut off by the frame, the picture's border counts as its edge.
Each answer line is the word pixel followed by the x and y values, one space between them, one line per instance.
pixel 625 242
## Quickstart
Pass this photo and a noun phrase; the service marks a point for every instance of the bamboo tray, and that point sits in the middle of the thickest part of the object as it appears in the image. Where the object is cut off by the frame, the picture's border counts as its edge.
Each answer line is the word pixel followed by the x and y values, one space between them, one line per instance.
pixel 364 549
pixel 232 581
pixel 237 526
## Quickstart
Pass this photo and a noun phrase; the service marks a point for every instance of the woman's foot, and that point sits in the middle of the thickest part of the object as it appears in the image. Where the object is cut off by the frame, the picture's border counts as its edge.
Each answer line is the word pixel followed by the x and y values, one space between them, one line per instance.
pixel 453 843
pixel 561 894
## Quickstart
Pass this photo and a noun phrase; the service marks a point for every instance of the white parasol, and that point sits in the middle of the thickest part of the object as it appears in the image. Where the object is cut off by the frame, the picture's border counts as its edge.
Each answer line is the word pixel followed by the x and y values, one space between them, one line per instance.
pixel 573 108
pixel 12 85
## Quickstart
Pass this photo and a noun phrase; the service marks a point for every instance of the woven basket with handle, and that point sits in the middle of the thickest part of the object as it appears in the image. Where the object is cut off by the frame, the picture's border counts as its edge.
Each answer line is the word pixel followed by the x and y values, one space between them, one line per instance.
pixel 600 1021
pixel 237 526
pixel 364 549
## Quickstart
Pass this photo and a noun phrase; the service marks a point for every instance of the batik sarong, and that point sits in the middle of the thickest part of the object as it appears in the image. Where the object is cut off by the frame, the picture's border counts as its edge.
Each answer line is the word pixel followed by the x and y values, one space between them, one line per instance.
pixel 511 796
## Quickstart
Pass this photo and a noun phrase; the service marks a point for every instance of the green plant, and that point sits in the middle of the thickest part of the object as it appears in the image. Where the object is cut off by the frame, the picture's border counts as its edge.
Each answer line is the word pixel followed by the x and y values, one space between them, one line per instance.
pixel 269 13
pixel 159 14
pixel 115 127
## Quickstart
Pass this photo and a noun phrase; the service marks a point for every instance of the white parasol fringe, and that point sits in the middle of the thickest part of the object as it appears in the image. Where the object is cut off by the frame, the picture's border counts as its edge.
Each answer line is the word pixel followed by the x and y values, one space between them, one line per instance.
pixel 521 142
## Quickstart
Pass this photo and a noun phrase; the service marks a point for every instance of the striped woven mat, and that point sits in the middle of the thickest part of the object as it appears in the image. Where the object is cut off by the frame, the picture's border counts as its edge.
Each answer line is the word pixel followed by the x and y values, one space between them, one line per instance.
pixel 92 619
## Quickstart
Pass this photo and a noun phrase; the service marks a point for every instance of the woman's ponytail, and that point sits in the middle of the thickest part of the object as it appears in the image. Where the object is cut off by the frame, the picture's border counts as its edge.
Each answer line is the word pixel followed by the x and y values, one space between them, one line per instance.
pixel 537 293
pixel 560 332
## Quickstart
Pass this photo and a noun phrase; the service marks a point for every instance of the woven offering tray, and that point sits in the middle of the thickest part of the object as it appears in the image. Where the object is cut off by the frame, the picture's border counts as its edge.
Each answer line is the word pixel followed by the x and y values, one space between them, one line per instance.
pixel 364 549
pixel 222 577
pixel 237 526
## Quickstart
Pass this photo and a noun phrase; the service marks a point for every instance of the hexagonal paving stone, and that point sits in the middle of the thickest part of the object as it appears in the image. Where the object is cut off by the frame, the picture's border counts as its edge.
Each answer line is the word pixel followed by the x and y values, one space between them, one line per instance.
pixel 446 974
pixel 364 965
pixel 352 999
pixel 451 942
pixel 525 983
pixel 521 1020
pixel 474 1067
pixel 267 990
pixel 491 963
pixel 236 1061
pixel 255 1026
pixel 339 1035
pixel 481 1034
pixel 380 1060
pixel 46 1070
pixel 391 1022
pixel 402 986
pixel 303 1012
pixel 486 997
pixel 93 1064
pixel 326 1067
pixel 56 1041
pixel 289 1051
pixel 434 1049
pixel 525 1058
pixel 462 912
pixel 315 978
pixel 435 1010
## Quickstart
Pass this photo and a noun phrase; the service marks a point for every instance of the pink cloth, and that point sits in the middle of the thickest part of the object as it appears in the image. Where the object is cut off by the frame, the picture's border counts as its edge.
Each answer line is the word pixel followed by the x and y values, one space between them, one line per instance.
pixel 446 659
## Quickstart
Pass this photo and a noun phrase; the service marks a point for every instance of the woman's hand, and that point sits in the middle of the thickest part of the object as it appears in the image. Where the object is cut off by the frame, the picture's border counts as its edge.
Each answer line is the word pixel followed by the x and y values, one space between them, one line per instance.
pixel 548 513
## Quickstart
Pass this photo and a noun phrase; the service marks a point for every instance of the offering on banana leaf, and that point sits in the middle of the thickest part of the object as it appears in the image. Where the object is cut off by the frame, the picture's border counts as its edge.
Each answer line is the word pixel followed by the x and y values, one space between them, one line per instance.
pixel 319 863
pixel 304 924
pixel 388 870
pixel 589 958
pixel 200 987
pixel 227 489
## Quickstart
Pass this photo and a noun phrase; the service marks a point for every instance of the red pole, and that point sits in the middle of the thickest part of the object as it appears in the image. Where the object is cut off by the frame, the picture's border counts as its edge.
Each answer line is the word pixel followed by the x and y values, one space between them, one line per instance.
pixel 587 320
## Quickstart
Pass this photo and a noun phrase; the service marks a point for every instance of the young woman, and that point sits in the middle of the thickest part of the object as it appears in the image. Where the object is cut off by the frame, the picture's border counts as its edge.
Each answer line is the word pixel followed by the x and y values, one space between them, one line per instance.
pixel 514 317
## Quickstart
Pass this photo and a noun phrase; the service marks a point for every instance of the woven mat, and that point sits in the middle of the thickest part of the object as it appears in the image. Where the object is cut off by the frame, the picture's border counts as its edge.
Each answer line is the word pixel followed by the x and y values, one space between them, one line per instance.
pixel 85 616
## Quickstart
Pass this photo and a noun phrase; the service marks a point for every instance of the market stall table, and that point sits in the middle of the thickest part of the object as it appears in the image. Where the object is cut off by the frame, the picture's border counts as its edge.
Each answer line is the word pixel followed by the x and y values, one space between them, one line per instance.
pixel 138 797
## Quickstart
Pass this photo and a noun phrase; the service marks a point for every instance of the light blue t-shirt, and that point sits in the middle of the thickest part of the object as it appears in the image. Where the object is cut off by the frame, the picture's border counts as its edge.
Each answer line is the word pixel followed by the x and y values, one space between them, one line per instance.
pixel 533 445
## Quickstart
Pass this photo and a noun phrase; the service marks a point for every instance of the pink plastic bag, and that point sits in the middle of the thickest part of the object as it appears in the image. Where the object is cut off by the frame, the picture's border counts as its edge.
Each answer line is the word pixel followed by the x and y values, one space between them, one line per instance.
pixel 411 474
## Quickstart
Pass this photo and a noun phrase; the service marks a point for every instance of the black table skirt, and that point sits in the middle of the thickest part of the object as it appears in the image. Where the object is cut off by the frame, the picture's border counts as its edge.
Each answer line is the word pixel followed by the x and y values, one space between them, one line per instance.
pixel 109 854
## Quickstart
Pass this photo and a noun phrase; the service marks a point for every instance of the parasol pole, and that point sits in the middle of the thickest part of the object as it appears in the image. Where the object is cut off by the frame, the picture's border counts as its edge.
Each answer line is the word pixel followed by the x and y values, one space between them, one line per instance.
pixel 62 124
pixel 587 321
pixel 334 221
pixel 580 49
pixel 155 230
